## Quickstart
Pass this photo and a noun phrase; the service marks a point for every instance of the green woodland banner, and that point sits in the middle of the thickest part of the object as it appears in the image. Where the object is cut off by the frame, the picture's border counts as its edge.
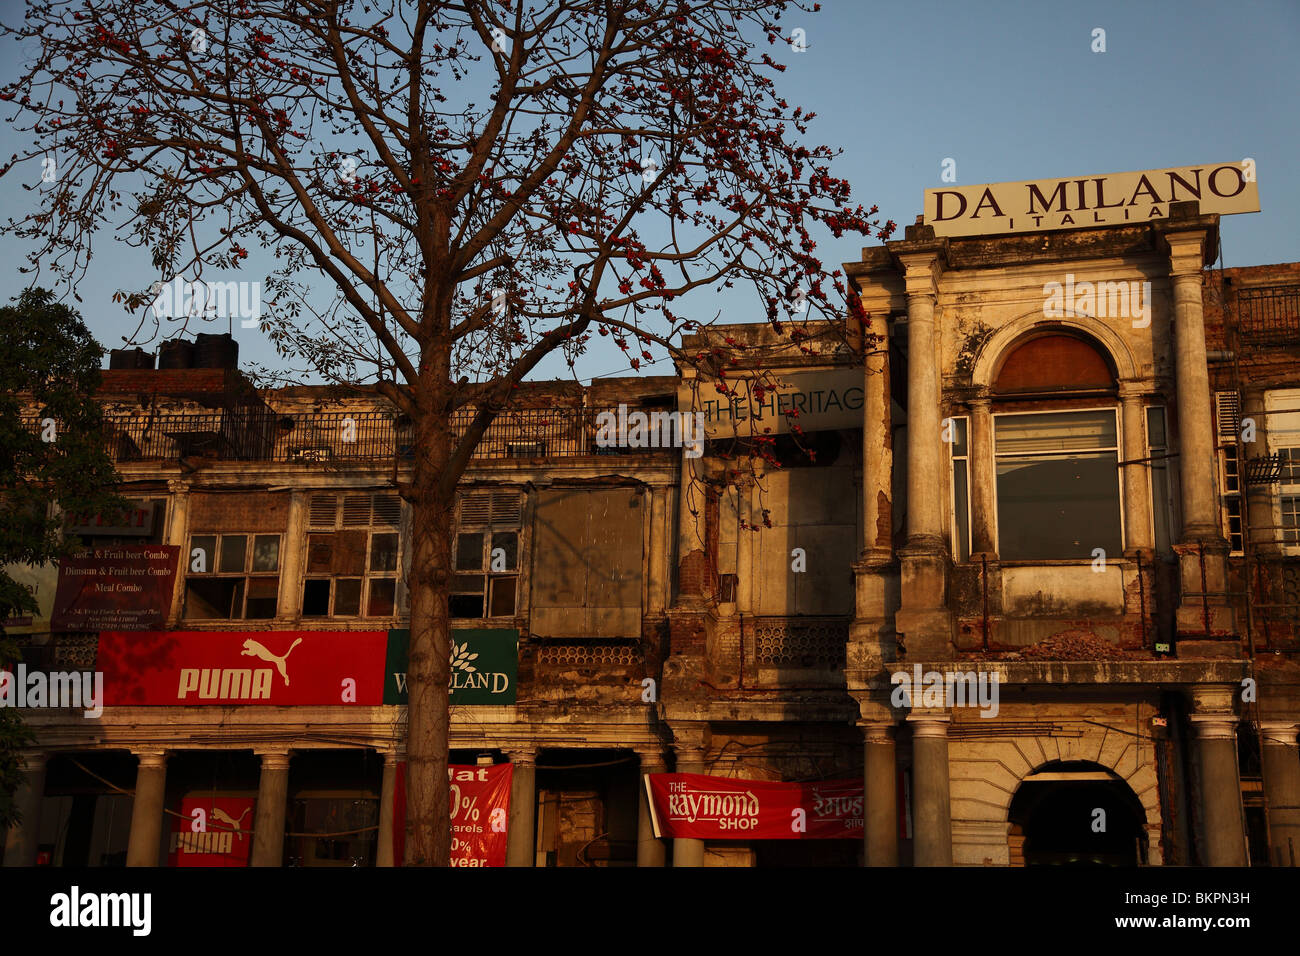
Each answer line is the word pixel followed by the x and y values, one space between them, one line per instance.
pixel 484 666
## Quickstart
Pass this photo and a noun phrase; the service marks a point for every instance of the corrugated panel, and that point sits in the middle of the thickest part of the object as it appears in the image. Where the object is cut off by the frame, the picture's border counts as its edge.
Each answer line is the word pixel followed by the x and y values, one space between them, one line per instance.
pixel 387 510
pixel 324 508
pixel 476 509
pixel 356 511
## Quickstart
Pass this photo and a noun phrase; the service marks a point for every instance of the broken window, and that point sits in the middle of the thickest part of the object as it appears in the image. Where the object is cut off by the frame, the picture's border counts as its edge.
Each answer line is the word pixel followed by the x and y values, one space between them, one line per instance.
pixel 485 555
pixel 232 577
pixel 352 569
pixel 1058 485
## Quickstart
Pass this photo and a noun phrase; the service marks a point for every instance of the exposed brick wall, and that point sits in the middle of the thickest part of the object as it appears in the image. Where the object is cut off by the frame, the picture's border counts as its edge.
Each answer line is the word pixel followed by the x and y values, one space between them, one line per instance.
pixel 246 511
pixel 168 381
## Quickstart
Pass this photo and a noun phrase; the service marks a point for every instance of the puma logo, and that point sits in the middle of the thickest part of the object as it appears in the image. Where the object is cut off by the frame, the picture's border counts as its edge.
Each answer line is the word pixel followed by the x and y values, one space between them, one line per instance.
pixel 253 648
pixel 226 818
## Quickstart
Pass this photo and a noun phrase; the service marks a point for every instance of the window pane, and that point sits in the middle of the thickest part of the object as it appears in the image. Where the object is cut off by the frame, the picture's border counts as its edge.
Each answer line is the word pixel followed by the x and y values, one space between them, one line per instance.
pixel 233 547
pixel 1291 519
pixel 1156 427
pixel 209 598
pixel 467 605
pixel 266 552
pixel 505 551
pixel 1160 504
pixel 347 597
pixel 1059 431
pixel 959 437
pixel 382 591
pixel 1290 460
pixel 1058 507
pixel 383 552
pixel 960 510
pixel 316 597
pixel 467 584
pixel 503 597
pixel 469 552
pixel 262 598
pixel 206 559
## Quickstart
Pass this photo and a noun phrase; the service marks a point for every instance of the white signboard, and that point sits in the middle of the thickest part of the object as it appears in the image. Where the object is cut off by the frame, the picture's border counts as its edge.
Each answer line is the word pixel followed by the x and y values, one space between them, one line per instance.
pixel 1108 200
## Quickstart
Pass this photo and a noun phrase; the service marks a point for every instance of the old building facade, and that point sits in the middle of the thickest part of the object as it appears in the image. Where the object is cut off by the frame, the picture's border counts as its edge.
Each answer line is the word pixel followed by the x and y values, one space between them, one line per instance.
pixel 1079 501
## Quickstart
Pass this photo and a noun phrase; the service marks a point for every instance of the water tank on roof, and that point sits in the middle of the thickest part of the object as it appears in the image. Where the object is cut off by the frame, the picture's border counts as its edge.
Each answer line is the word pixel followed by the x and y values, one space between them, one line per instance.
pixel 216 351
pixel 136 358
pixel 178 353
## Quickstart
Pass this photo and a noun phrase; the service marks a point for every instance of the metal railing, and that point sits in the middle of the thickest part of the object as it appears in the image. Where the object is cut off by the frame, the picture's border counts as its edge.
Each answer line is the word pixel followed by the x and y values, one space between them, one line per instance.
pixel 260 434
pixel 1270 315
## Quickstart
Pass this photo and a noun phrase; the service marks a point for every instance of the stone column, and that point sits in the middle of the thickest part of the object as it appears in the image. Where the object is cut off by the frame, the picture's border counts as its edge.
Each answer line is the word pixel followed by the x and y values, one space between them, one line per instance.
pixel 292 553
pixel 649 851
pixel 880 789
pixel 521 842
pixel 1215 726
pixel 23 837
pixel 1202 551
pixel 1137 487
pixel 178 534
pixel 687 851
pixel 923 619
pixel 387 793
pixel 657 498
pixel 877 448
pixel 931 809
pixel 983 476
pixel 145 842
pixel 1282 791
pixel 272 800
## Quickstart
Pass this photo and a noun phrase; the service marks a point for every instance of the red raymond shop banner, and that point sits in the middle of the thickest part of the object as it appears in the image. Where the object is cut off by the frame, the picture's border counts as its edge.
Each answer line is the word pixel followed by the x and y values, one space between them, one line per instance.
pixel 701 807
pixel 127 586
pixel 220 833
pixel 197 668
pixel 480 809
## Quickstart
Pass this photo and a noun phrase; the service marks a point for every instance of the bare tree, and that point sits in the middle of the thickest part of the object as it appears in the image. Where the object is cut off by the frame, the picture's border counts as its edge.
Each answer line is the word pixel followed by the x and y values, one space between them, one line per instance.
pixel 480 185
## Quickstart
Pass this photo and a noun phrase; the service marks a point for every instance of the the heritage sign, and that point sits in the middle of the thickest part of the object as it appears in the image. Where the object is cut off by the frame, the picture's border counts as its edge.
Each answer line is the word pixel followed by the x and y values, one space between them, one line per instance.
pixel 1107 200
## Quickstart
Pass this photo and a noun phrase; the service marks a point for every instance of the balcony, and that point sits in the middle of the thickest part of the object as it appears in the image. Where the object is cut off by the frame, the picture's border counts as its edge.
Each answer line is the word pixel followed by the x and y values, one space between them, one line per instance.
pixel 258 434
pixel 1269 316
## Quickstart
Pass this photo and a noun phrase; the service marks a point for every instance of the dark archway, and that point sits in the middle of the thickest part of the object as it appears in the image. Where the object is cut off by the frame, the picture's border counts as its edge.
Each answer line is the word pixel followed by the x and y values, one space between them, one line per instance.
pixel 1054 814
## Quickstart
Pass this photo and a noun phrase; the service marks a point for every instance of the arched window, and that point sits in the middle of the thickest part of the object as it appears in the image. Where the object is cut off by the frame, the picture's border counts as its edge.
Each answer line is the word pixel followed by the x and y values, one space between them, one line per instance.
pixel 1057 466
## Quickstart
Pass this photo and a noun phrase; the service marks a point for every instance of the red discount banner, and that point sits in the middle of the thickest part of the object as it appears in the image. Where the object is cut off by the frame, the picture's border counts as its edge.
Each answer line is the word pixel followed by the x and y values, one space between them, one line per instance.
pixel 480 809
pixel 212 831
pixel 701 807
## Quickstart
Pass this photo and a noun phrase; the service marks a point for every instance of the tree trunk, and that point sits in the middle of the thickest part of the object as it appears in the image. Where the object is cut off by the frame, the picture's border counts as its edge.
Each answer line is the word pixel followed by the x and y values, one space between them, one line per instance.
pixel 428 837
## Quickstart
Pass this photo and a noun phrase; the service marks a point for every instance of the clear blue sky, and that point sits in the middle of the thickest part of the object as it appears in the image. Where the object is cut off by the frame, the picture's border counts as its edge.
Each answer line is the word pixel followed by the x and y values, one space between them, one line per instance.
pixel 1009 90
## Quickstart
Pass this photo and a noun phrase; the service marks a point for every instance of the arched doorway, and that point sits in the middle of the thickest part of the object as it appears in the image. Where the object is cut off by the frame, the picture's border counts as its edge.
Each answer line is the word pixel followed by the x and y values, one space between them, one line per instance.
pixel 1054 819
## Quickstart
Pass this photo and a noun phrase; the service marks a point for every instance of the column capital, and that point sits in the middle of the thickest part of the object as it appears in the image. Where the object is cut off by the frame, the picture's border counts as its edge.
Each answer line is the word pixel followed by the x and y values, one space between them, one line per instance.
pixel 877 732
pixel 921 272
pixel 526 756
pixel 1214 726
pixel 177 486
pixel 981 400
pixel 151 757
pixel 1215 700
pixel 1280 733
pixel 1132 390
pixel 393 757
pixel 275 759
pixel 33 761
pixel 929 723
pixel 652 761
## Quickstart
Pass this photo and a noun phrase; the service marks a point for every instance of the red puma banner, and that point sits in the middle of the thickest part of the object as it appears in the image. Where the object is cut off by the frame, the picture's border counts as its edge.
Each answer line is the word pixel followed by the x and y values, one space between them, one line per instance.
pixel 701 807
pixel 212 831
pixel 276 668
pixel 480 809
